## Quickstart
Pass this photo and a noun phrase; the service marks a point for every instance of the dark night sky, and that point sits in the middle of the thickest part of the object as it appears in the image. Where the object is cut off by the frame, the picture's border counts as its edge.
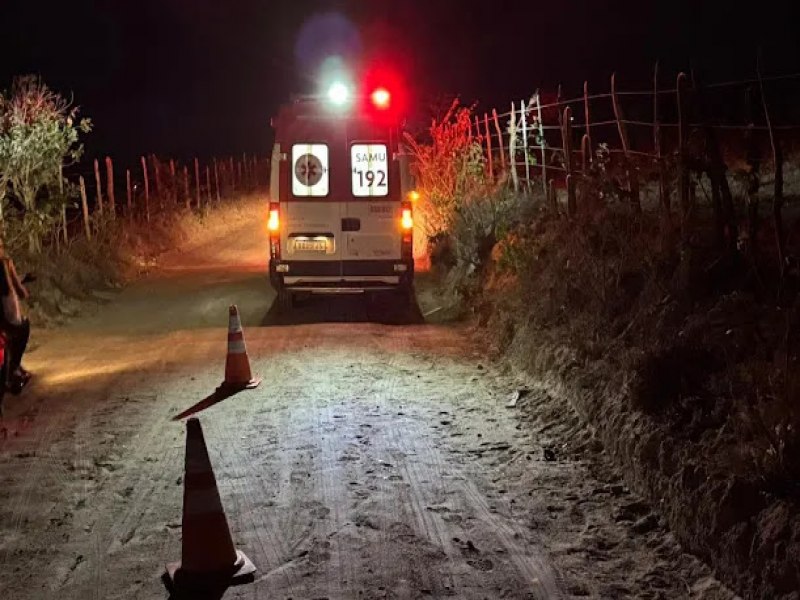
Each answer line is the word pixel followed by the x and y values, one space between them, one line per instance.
pixel 179 77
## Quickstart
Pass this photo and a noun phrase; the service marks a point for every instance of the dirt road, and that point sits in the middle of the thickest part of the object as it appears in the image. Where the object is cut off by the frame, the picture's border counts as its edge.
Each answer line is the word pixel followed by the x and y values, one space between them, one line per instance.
pixel 377 460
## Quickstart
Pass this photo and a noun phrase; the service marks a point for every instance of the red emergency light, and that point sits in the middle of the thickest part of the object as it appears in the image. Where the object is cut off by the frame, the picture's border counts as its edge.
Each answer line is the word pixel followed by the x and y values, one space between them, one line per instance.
pixel 381 98
pixel 385 94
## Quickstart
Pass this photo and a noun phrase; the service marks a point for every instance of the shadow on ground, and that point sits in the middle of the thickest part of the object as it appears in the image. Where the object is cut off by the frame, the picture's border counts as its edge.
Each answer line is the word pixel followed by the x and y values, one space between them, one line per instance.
pixel 219 395
pixel 383 309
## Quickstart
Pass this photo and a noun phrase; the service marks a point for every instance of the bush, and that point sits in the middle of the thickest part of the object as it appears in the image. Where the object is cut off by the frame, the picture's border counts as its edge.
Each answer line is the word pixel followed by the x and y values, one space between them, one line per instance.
pixel 38 137
pixel 449 169
pixel 481 222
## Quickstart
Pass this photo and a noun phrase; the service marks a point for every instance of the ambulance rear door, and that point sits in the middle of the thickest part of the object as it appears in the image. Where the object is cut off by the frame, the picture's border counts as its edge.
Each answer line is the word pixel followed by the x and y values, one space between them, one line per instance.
pixel 313 214
pixel 372 224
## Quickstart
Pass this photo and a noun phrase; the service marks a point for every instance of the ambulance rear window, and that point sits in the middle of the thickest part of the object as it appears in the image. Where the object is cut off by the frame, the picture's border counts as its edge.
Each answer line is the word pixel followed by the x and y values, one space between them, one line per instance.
pixel 370 175
pixel 310 170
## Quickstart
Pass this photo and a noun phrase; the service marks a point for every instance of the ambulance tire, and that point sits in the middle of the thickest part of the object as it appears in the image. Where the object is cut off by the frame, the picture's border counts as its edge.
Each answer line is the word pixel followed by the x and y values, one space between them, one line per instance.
pixel 405 296
pixel 285 300
pixel 300 299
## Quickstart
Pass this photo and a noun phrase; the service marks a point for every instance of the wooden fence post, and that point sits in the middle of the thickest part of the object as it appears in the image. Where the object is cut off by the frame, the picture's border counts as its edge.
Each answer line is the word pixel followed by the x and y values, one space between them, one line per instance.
pixel 223 178
pixel 552 201
pixel 87 226
pixel 630 170
pixel 159 183
pixel 558 106
pixel 566 137
pixel 777 157
pixel 512 147
pixel 489 146
pixel 146 190
pixel 112 204
pixel 586 152
pixel 683 167
pixel 99 186
pixel 198 199
pixel 216 180
pixel 187 194
pixel 753 162
pixel 586 143
pixel 130 192
pixel 663 192
pixel 500 138
pixel 173 184
pixel 208 184
pixel 587 159
pixel 524 119
pixel 542 143
pixel 722 200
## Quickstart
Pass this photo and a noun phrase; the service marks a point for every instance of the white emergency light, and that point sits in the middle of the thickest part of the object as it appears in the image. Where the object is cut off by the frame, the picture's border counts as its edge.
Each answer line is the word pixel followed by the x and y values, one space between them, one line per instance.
pixel 339 94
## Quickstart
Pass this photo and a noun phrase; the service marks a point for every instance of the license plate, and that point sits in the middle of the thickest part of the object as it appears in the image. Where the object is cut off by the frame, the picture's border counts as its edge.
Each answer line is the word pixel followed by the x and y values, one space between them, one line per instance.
pixel 311 245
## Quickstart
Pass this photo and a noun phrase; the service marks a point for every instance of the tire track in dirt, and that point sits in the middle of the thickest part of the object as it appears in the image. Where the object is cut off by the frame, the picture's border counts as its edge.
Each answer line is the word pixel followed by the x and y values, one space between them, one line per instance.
pixel 408 449
pixel 407 445
pixel 120 503
pixel 250 504
pixel 428 464
pixel 49 430
pixel 35 474
pixel 117 525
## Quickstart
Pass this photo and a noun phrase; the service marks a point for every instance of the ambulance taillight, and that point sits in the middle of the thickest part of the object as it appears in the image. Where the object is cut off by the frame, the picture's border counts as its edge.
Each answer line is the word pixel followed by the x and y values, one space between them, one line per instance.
pixel 274 223
pixel 407 227
pixel 274 228
pixel 407 219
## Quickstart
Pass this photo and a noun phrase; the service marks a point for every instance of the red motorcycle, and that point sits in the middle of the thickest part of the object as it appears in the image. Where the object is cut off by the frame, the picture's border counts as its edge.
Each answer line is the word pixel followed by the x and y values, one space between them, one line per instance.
pixel 15 386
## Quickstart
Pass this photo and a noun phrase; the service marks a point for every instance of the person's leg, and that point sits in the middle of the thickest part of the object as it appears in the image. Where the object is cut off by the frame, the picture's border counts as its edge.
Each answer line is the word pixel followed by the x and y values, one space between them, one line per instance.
pixel 17 376
pixel 21 345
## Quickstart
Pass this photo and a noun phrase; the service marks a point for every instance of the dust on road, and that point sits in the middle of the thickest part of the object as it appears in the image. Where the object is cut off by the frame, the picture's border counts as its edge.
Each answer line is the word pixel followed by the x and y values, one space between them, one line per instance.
pixel 377 460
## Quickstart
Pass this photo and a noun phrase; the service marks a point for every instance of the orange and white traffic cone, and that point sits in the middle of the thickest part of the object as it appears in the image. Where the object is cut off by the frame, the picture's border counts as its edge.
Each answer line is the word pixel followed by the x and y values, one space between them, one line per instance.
pixel 237 364
pixel 209 559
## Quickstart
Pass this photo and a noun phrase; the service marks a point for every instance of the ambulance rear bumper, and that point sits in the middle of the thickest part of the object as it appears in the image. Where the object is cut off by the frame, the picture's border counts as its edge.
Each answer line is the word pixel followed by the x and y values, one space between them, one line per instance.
pixel 341 276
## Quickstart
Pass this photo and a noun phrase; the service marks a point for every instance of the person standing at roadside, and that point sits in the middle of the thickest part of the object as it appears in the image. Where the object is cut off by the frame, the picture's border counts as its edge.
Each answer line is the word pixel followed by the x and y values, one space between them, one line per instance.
pixel 16 327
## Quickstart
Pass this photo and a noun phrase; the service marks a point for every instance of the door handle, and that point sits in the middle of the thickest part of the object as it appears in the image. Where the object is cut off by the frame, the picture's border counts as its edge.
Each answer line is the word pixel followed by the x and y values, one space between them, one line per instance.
pixel 351 224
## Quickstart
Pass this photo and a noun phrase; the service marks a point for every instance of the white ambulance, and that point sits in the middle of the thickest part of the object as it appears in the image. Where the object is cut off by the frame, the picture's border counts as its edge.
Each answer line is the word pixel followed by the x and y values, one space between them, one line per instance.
pixel 341 212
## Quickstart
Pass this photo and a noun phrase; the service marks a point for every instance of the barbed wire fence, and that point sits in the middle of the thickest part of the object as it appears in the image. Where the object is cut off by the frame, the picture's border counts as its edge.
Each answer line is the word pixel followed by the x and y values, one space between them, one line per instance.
pixel 154 189
pixel 672 140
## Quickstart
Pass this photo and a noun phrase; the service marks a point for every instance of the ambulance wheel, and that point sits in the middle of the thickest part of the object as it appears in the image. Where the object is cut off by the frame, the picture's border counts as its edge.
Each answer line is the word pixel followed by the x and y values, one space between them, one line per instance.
pixel 405 295
pixel 285 300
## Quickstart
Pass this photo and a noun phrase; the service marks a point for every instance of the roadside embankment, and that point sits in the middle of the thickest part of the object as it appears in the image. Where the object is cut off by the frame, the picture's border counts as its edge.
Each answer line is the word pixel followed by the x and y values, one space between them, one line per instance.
pixel 685 367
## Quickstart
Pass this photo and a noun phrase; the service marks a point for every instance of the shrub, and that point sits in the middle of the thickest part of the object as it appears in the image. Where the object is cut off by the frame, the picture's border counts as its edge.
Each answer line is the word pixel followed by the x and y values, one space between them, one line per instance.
pixel 449 169
pixel 38 137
